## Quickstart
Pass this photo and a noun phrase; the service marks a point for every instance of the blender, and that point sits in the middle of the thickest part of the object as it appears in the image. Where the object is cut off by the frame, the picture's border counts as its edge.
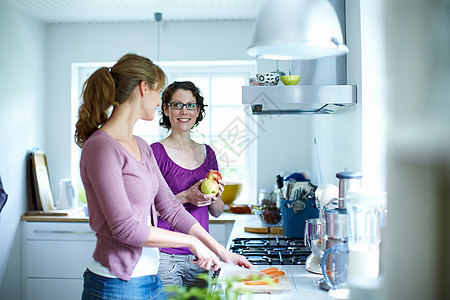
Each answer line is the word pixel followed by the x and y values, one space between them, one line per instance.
pixel 313 240
pixel 334 217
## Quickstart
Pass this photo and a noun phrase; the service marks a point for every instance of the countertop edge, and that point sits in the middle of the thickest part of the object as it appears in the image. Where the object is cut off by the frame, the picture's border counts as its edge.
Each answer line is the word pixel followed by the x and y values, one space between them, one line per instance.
pixel 81 217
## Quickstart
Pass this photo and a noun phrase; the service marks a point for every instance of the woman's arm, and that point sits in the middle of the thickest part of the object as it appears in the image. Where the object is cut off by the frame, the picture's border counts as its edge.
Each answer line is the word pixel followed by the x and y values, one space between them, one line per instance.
pixel 216 207
pixel 164 239
pixel 200 233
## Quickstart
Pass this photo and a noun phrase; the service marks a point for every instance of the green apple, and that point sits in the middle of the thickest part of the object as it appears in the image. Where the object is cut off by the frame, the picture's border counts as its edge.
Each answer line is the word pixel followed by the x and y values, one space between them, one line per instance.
pixel 210 187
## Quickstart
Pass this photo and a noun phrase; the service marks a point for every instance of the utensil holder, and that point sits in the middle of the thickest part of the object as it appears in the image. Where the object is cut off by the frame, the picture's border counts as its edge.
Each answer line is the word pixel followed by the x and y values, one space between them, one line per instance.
pixel 294 220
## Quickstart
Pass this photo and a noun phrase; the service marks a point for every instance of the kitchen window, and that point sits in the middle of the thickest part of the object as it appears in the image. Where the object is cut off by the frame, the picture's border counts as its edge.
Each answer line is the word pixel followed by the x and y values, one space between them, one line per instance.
pixel 229 127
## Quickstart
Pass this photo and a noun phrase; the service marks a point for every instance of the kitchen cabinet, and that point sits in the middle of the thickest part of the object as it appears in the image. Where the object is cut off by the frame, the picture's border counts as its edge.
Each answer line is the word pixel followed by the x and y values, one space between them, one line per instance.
pixel 54 258
pixel 221 231
pixel 56 251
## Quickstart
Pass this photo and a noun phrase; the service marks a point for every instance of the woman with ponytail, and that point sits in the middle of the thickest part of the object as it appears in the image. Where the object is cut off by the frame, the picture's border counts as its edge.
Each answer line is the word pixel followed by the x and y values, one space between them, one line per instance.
pixel 126 191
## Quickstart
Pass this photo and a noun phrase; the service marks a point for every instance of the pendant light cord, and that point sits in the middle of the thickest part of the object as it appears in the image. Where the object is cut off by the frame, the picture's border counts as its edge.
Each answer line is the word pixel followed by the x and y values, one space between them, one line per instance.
pixel 318 162
pixel 158 18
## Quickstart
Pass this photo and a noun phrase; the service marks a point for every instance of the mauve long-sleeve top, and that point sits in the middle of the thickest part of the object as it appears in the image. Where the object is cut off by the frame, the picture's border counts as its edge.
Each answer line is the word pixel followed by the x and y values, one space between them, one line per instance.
pixel 122 193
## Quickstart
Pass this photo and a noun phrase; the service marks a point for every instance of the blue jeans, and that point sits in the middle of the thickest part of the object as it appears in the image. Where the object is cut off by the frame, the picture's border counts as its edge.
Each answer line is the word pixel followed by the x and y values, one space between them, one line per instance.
pixel 138 288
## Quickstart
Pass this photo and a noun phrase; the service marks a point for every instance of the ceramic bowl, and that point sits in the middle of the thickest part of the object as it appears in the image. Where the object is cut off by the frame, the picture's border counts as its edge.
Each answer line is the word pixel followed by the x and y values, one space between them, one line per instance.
pixel 231 192
pixel 267 78
pixel 290 79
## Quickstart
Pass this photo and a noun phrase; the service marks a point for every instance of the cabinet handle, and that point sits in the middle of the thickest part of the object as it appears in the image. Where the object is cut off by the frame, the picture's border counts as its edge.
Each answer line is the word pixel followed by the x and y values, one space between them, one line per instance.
pixel 63 231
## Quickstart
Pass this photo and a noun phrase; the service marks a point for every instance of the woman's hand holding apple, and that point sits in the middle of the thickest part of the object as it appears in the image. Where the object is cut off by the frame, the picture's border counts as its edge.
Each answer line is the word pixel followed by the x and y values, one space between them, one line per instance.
pixel 221 187
pixel 203 194
pixel 195 196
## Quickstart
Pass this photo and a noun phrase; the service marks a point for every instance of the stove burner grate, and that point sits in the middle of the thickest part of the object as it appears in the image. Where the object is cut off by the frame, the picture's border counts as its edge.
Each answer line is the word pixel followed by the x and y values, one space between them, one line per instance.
pixel 272 250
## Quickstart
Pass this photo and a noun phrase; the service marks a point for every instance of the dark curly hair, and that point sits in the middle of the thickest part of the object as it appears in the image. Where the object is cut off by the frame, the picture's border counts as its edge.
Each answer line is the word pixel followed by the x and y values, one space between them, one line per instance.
pixel 167 97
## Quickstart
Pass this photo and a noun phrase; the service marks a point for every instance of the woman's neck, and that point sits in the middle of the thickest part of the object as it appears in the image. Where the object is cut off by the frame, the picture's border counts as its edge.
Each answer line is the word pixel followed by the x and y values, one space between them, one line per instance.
pixel 180 140
pixel 183 151
pixel 120 125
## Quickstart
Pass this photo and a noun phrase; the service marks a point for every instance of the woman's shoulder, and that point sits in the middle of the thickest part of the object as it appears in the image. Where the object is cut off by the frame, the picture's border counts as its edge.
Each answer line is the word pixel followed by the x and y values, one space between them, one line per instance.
pixel 99 139
pixel 209 149
pixel 145 146
pixel 156 146
pixel 101 145
pixel 158 150
pixel 211 158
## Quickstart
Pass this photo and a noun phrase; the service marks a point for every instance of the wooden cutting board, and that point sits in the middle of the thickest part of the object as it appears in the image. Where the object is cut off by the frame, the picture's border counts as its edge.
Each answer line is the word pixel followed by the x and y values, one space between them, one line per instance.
pixel 228 271
pixel 55 212
pixel 283 285
pixel 264 229
pixel 276 230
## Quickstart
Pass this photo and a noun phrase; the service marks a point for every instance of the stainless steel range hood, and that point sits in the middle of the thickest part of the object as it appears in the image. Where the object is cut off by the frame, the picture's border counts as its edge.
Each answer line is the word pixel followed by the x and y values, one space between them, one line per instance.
pixel 323 87
pixel 300 99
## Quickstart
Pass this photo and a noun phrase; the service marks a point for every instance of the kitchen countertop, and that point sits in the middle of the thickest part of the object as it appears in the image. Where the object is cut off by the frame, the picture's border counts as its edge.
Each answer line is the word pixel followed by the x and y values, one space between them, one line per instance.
pixel 78 215
pixel 305 285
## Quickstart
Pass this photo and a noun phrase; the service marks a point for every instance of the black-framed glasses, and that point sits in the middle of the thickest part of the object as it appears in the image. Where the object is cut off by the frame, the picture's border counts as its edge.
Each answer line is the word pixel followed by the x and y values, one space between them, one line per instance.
pixel 179 106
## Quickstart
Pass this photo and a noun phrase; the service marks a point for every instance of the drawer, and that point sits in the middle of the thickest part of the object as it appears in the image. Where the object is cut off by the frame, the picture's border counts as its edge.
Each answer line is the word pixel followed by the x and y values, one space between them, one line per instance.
pixel 69 231
pixel 56 259
pixel 53 289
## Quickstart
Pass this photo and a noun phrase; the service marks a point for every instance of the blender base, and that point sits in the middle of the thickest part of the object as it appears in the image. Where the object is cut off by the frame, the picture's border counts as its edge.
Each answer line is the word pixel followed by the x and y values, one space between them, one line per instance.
pixel 312 264
pixel 323 285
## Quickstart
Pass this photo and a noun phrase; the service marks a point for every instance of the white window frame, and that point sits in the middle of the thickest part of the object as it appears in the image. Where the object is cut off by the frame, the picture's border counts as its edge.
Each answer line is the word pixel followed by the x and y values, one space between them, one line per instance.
pixel 173 70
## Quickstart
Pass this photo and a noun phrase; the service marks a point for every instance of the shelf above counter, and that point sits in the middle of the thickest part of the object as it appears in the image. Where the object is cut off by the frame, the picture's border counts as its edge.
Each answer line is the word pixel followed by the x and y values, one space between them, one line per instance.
pixel 299 99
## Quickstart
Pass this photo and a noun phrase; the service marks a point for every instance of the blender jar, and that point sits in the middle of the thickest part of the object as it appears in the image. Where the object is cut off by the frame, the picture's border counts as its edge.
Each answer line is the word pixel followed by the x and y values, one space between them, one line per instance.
pixel 365 215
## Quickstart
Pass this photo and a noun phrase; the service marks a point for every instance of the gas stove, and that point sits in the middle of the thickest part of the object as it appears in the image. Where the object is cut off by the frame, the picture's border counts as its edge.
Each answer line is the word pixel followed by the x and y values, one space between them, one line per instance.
pixel 271 250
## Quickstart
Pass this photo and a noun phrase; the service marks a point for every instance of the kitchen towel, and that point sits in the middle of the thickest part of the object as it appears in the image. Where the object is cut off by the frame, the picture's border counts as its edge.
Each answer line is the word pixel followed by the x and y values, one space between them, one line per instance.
pixel 3 195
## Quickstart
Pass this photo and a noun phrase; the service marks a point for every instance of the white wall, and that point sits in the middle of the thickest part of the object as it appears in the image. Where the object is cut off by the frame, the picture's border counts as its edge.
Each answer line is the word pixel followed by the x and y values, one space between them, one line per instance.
pixel 69 44
pixel 283 146
pixel 339 136
pixel 22 113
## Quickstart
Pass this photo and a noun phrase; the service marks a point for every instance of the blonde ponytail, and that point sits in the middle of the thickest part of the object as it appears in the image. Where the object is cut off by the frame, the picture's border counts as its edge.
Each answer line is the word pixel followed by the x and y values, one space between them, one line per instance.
pixel 98 96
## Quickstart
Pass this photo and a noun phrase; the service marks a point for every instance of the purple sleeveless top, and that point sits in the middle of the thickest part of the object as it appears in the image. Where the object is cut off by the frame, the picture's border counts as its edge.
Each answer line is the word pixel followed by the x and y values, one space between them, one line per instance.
pixel 180 179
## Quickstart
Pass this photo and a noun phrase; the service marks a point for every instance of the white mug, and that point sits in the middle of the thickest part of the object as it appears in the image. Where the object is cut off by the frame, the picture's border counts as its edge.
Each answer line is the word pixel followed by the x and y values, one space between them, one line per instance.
pixel 66 195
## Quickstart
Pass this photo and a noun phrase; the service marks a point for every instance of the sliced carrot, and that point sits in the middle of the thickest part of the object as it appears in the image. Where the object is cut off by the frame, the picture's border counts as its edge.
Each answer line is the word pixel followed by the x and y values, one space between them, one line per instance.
pixel 276 274
pixel 269 270
pixel 261 282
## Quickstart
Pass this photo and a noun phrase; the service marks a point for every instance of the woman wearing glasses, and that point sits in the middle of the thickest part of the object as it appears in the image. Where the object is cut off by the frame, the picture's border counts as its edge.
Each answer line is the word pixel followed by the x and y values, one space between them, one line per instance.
pixel 184 164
